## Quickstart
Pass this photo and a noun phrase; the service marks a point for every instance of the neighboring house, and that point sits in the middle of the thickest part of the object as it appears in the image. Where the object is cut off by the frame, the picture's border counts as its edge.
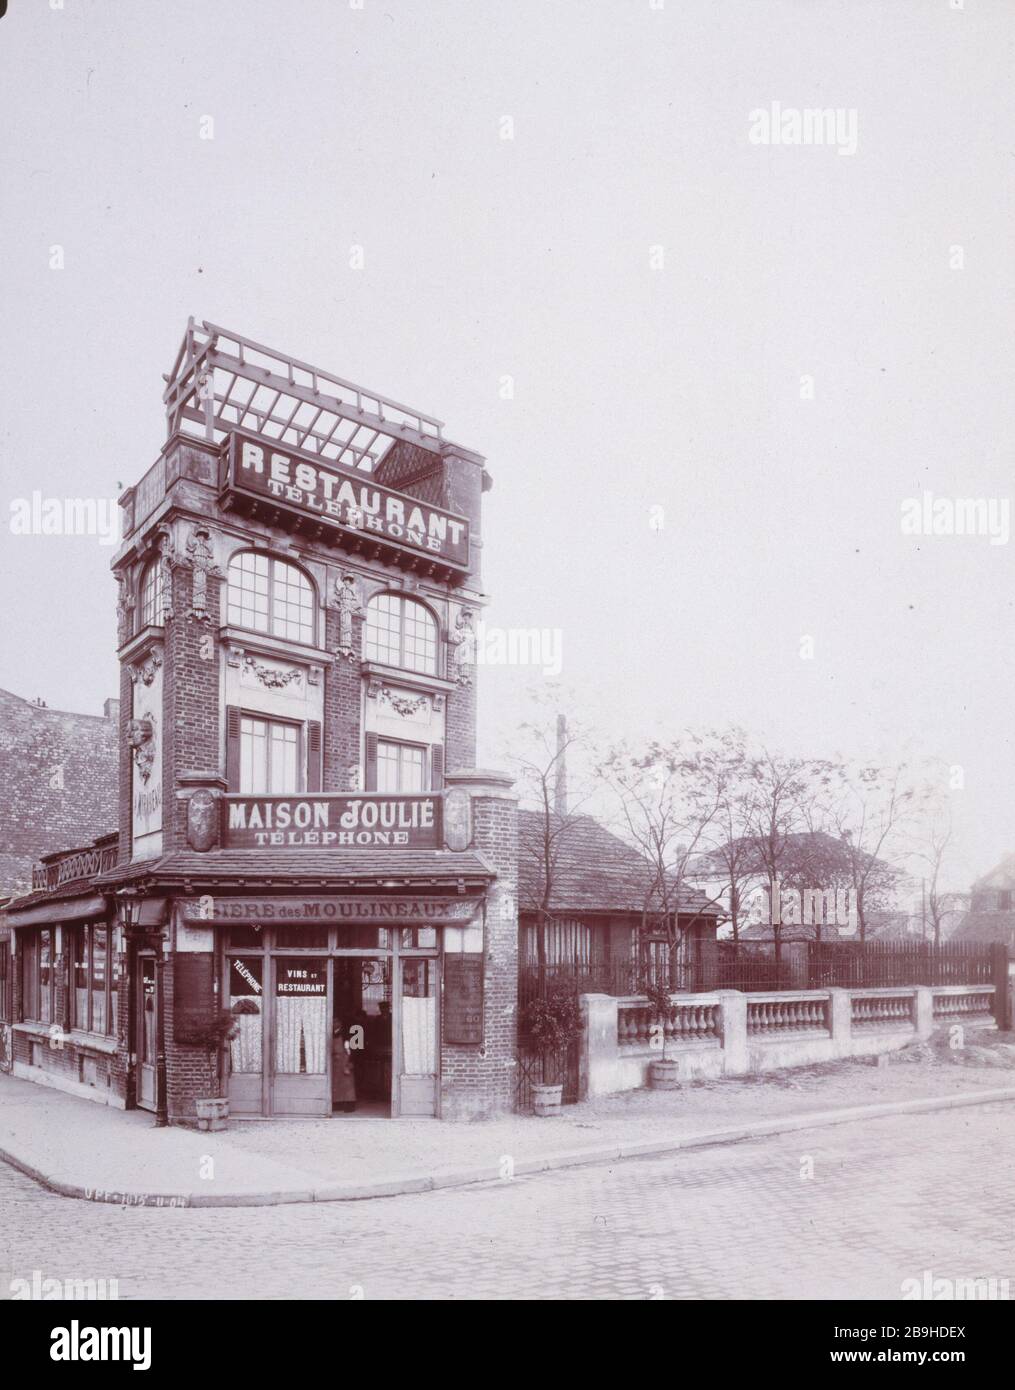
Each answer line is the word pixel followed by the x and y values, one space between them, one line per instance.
pixel 991 914
pixel 601 887
pixel 813 863
pixel 58 782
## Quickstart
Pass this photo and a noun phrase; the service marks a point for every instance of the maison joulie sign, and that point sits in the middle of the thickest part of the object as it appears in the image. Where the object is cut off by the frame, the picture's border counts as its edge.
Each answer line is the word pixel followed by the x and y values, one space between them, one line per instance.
pixel 331 822
pixel 304 484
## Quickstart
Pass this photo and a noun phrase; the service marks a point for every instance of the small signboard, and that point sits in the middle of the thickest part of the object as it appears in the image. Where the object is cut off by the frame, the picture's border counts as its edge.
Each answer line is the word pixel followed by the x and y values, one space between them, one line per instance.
pixel 463 999
pixel 193 993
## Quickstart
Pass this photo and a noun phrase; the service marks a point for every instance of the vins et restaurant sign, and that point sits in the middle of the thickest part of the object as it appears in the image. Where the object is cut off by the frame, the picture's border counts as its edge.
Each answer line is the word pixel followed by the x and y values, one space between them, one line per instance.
pixel 331 822
pixel 350 502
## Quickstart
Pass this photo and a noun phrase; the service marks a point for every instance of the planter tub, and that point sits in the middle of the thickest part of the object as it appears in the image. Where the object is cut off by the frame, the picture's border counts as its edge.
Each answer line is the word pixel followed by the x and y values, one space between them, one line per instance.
pixel 664 1074
pixel 546 1100
pixel 212 1112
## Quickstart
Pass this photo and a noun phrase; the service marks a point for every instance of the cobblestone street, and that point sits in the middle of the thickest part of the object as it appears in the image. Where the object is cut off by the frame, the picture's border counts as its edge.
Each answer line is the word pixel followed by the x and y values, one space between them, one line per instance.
pixel 889 1199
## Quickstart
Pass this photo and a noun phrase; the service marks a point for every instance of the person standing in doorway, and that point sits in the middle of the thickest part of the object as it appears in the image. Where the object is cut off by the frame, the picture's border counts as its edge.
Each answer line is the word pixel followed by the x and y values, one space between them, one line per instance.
pixel 343 1081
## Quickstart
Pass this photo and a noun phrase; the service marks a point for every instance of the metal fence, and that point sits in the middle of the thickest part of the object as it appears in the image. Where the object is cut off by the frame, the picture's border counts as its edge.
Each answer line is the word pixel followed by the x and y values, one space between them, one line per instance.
pixel 875 964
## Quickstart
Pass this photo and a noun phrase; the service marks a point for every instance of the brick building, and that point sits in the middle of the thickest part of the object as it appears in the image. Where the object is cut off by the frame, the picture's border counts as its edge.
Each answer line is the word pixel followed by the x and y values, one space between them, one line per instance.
pixel 57 784
pixel 303 842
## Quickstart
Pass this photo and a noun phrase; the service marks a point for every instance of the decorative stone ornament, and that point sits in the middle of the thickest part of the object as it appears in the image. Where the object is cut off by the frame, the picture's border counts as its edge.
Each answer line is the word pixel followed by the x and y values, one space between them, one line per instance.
pixel 141 741
pixel 349 603
pixel 124 610
pixel 269 676
pixel 166 562
pixel 457 819
pixel 146 669
pixel 202 819
pixel 462 640
pixel 201 560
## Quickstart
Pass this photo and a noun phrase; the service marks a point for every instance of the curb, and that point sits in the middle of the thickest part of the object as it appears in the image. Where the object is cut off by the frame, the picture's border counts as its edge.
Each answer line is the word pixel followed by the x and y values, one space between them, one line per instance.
pixel 441 1179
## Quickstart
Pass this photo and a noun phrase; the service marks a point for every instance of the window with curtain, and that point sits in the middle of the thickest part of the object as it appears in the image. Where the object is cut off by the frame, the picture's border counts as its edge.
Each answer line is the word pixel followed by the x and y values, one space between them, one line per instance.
pixel 302 1036
pixel 151 596
pixel 269 757
pixel 401 767
pixel 267 595
pixel 401 632
pixel 246 1003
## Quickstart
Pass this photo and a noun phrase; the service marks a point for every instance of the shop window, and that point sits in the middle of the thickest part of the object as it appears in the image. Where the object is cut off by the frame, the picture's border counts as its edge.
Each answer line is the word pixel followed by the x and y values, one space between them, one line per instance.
pixel 5 982
pixel 418 938
pixel 150 613
pixel 401 632
pixel 270 760
pixel 302 1035
pixel 302 939
pixel 46 973
pixel 246 1003
pixel 28 955
pixel 246 938
pixel 267 595
pixel 95 980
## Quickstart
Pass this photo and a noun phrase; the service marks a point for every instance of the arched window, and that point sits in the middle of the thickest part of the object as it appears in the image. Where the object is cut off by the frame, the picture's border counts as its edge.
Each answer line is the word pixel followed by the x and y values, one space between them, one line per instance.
pixel 268 595
pixel 151 596
pixel 401 632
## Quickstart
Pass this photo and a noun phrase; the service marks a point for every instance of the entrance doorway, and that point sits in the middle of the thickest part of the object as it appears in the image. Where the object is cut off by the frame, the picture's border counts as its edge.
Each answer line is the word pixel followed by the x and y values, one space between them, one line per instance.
pixel 146 998
pixel 362 1014
pixel 290 988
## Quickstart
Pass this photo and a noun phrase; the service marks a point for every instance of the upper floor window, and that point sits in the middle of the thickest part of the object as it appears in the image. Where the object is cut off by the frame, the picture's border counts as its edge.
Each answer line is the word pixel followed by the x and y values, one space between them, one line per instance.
pixel 401 632
pixel 270 596
pixel 151 595
pixel 269 757
pixel 401 767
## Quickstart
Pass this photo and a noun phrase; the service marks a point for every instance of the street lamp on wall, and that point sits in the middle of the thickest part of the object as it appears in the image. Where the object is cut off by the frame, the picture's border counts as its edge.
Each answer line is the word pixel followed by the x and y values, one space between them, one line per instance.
pixel 149 938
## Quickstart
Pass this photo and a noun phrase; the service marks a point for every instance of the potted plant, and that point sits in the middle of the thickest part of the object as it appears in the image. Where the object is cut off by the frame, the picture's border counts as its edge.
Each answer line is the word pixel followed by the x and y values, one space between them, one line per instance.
pixel 213 1110
pixel 663 1071
pixel 551 1021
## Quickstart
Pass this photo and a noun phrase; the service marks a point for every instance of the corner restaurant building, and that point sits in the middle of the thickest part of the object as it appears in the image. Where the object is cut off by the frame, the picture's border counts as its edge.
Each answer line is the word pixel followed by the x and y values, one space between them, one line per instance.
pixel 303 837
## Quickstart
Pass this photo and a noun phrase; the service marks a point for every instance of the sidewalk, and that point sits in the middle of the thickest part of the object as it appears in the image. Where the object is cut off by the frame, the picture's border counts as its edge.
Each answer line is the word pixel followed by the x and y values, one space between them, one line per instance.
pixel 81 1149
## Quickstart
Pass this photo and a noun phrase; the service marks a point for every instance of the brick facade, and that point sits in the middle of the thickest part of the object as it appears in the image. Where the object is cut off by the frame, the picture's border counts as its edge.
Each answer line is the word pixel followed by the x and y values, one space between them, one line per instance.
pixel 196 670
pixel 58 783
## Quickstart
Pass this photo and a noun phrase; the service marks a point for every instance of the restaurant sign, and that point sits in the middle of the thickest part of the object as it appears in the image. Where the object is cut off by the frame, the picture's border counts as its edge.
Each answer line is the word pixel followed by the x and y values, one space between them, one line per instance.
pixel 347 501
pixel 331 822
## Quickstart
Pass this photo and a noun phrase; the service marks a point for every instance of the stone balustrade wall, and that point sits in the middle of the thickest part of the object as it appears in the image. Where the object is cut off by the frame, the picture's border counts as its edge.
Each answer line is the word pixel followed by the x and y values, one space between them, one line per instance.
pixel 733 1034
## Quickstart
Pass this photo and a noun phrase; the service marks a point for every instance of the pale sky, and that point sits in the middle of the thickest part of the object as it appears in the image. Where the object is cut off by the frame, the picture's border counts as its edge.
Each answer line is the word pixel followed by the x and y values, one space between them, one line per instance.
pixel 655 285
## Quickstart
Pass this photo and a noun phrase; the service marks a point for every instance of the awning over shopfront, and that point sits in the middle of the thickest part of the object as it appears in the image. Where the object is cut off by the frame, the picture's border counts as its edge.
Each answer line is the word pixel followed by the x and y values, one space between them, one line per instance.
pixel 63 910
pixel 321 869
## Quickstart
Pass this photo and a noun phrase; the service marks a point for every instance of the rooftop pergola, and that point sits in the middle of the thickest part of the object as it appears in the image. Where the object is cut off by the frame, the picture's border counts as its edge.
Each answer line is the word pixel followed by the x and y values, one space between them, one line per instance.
pixel 222 381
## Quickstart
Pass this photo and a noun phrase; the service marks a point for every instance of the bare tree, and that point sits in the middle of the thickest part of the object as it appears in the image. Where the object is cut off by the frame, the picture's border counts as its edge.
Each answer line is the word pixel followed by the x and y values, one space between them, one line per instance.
pixel 667 796
pixel 870 807
pixel 786 792
pixel 540 762
pixel 932 847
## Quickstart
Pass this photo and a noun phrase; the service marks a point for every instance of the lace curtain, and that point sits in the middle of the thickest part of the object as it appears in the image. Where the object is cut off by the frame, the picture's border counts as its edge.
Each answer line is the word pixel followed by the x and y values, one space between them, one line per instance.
pixel 301 1021
pixel 419 1041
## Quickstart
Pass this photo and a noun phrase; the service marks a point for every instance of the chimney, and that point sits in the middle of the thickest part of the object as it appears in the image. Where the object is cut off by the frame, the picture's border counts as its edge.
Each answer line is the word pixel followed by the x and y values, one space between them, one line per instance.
pixel 560 778
pixel 111 710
